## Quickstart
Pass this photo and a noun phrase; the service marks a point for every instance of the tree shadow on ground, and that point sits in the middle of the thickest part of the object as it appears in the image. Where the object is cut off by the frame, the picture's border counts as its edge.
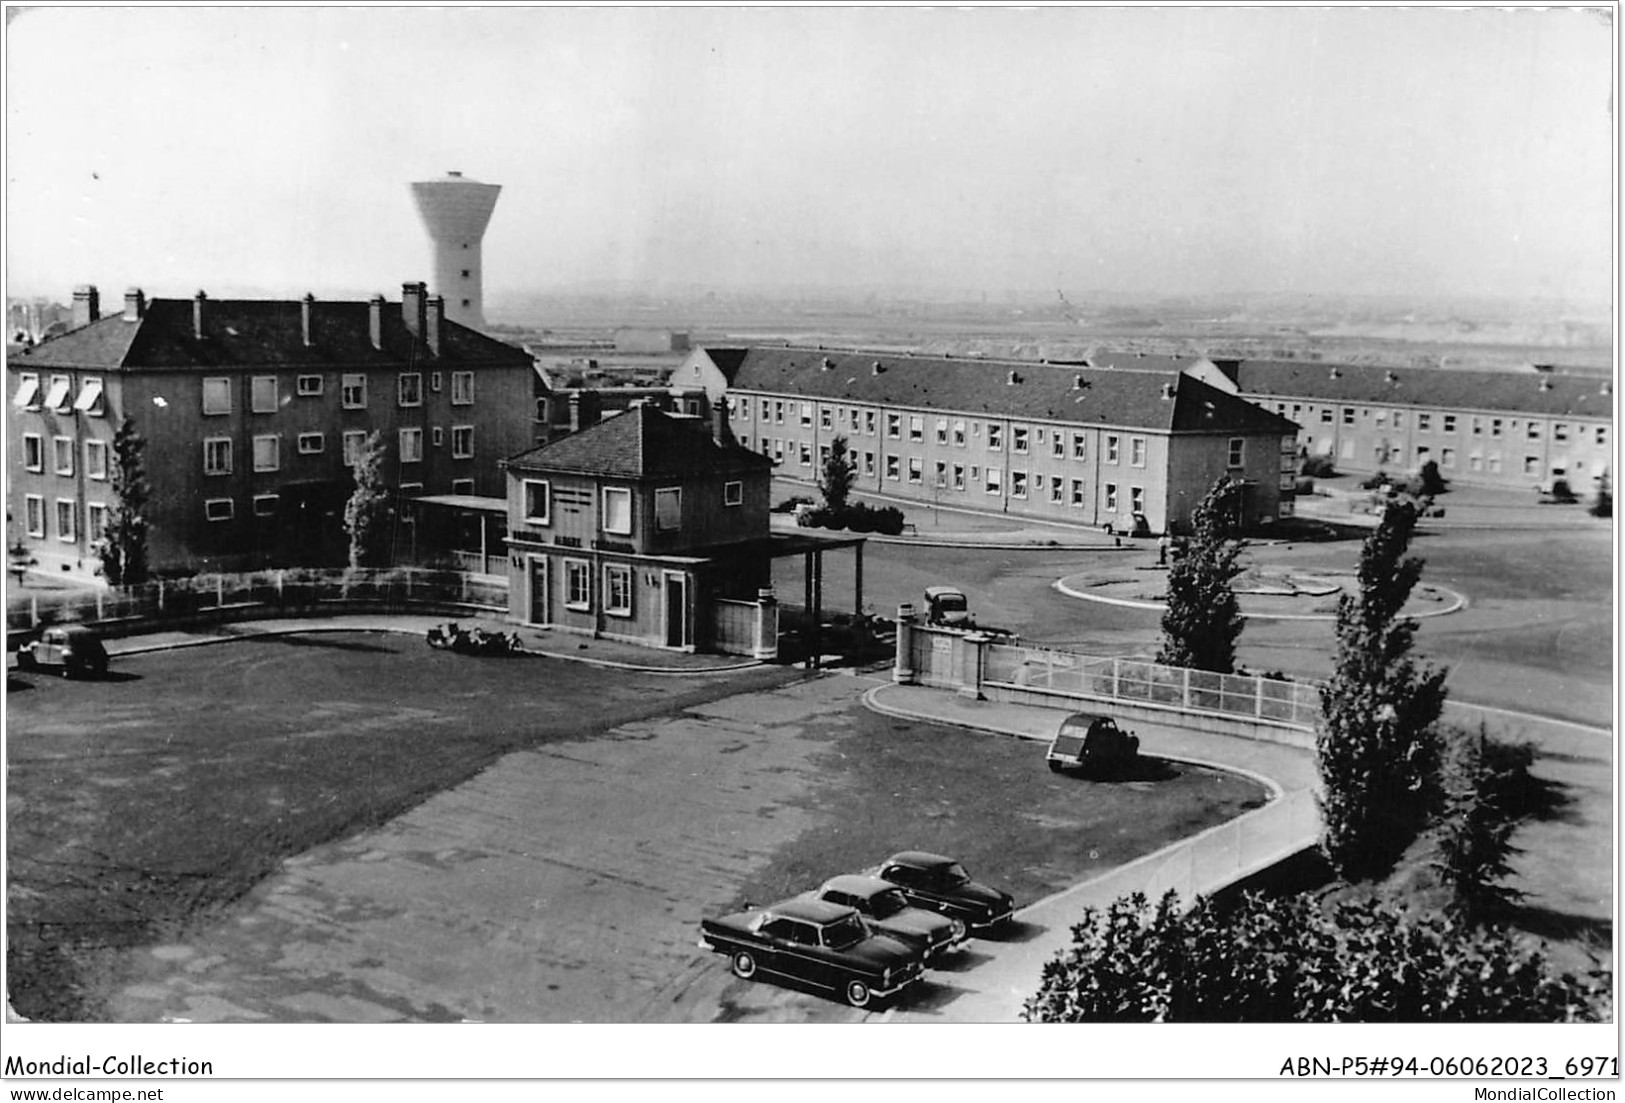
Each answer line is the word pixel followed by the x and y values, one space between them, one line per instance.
pixel 1560 926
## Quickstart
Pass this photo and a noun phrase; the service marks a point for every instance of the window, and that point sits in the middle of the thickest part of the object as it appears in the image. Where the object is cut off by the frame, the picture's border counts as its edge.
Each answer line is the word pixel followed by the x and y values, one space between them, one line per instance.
pixel 1495 427
pixel 95 522
pixel 462 388
pixel 1077 492
pixel 1424 423
pixel 894 426
pixel 353 394
pixel 778 413
pixel 804 454
pixel 462 486
pixel 1236 451
pixel 1297 411
pixel 826 418
pixel 57 398
pixel 1447 458
pixel 1018 439
pixel 1533 432
pixel 1111 449
pixel 806 414
pixel 1136 499
pixel 216 395
pixel 66 513
pixel 1058 446
pixel 869 464
pixel 33 452
pixel 411 445
pixel 1057 490
pixel 1399 419
pixel 1475 461
pixel 1078 449
pixel 1423 452
pixel 462 442
pixel 217 456
pixel 262 394
pixel 1326 416
pixel 869 422
pixel 96 459
pixel 1478 426
pixel 916 427
pixel 668 509
pixel 995 436
pixel 310 444
pixel 1602 436
pixel 267 453
pixel 618 589
pixel 355 441
pixel 959 433
pixel 1348 415
pixel 1449 423
pixel 942 430
pixel 409 388
pixel 437 436
pixel 434 382
pixel 894 468
pixel 1382 418
pixel 942 473
pixel 1560 431
pixel 1018 484
pixel 916 470
pixel 27 396
pixel 62 452
pixel 1531 465
pixel 308 386
pixel 1136 451
pixel 959 476
pixel 577 584
pixel 1111 497
pixel 778 451
pixel 995 481
pixel 733 493
pixel 90 398
pixel 767 411
pixel 1495 463
pixel 36 514
pixel 265 505
pixel 617 510
pixel 537 501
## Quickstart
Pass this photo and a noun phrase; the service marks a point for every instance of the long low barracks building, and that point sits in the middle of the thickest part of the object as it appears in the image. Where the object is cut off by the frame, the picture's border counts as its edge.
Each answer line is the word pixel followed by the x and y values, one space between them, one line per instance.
pixel 1125 442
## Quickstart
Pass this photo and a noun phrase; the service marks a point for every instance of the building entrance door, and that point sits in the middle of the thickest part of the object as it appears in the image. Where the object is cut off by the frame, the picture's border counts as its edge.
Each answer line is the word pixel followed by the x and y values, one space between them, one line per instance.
pixel 539 612
pixel 676 611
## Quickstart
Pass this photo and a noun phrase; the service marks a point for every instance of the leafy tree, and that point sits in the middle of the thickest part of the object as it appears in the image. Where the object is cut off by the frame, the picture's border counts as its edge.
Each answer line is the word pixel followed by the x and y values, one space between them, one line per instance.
pixel 1483 781
pixel 1292 959
pixel 1429 481
pixel 836 478
pixel 1378 744
pixel 366 514
pixel 1203 618
pixel 1603 504
pixel 123 546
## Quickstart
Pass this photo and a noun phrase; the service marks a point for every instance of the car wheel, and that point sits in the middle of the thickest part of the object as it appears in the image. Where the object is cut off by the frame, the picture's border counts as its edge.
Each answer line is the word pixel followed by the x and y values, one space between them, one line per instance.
pixel 744 965
pixel 857 993
pixel 1054 767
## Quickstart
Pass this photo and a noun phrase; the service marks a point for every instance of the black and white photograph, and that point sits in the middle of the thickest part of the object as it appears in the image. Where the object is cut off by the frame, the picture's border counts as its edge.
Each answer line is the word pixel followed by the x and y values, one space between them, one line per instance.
pixel 782 542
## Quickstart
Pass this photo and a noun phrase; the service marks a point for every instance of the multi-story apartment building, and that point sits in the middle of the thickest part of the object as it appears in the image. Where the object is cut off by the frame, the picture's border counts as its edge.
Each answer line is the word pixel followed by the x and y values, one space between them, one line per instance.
pixel 631 528
pixel 1128 442
pixel 252 412
pixel 1495 428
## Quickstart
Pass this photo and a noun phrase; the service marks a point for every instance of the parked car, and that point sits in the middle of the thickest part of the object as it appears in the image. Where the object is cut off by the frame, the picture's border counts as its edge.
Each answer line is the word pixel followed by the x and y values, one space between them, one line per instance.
pixel 885 908
pixel 942 885
pixel 1091 744
pixel 946 605
pixel 825 945
pixel 71 648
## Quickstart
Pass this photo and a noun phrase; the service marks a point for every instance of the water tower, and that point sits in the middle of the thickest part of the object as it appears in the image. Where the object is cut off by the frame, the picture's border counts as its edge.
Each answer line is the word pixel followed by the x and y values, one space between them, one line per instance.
pixel 456 211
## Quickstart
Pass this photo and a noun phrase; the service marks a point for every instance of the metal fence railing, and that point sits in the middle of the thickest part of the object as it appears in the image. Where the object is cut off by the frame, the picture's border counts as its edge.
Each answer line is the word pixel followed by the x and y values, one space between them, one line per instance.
pixel 270 590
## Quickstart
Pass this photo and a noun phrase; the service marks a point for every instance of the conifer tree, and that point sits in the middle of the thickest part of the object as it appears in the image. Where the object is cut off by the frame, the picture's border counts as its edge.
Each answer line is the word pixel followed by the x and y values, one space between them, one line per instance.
pixel 1203 619
pixel 366 514
pixel 123 546
pixel 837 477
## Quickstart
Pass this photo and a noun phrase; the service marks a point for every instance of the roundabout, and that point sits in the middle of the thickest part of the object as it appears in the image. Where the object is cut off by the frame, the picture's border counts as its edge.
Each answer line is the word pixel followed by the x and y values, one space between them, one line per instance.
pixel 1264 593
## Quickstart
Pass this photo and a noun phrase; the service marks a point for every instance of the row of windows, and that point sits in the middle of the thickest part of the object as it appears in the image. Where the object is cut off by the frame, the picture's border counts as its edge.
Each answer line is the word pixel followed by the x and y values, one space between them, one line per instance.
pixel 264 397
pixel 67 515
pixel 615 514
pixel 1235 453
pixel 217 451
pixel 957 431
pixel 1492 462
pixel 55 397
pixel 63 454
pixel 617 587
pixel 1478 426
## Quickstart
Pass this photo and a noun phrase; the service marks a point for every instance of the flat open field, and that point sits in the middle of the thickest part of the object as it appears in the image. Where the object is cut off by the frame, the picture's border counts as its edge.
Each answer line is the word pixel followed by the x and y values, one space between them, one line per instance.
pixel 353 827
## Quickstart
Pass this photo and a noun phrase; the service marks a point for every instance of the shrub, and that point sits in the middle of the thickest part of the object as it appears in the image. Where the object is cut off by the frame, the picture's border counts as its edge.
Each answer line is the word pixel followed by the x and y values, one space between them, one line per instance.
pixel 1603 505
pixel 1380 479
pixel 1317 467
pixel 1428 480
pixel 1303 487
pixel 1562 492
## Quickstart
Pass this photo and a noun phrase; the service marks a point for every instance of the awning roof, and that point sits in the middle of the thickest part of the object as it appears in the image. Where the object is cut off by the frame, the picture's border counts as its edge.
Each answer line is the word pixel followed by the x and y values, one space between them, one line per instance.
pixel 58 394
pixel 26 393
pixel 473 502
pixel 89 395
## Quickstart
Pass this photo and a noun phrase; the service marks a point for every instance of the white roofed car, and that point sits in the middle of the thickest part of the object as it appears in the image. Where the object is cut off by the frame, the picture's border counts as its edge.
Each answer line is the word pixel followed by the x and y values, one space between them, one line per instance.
pixel 887 909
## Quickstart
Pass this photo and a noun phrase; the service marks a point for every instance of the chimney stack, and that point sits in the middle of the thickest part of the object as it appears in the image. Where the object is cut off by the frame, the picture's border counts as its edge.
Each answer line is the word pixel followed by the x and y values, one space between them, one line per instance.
pixel 197 314
pixel 720 430
pixel 87 306
pixel 1168 390
pixel 435 316
pixel 375 320
pixel 304 317
pixel 414 306
pixel 135 304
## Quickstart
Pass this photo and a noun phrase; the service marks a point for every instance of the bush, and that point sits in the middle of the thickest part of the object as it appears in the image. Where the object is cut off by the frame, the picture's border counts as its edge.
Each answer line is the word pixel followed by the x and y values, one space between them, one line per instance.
pixel 858 517
pixel 1303 487
pixel 1317 467
pixel 1428 481
pixel 1291 960
pixel 1375 482
pixel 1562 492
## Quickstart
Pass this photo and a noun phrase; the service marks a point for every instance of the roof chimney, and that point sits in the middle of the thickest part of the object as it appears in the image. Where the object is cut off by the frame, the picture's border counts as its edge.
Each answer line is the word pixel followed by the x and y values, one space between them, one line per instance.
pixel 413 306
pixel 135 304
pixel 1336 374
pixel 197 314
pixel 1543 368
pixel 828 364
pixel 1607 387
pixel 877 368
pixel 1168 390
pixel 1545 385
pixel 304 317
pixel 87 306
pixel 1390 376
pixel 1012 378
pixel 435 316
pixel 720 431
pixel 375 321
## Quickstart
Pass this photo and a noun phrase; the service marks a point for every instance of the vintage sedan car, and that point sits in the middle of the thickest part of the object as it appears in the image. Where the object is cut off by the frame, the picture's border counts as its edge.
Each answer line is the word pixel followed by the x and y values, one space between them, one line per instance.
pixel 72 649
pixel 885 908
pixel 942 885
pixel 824 945
pixel 1092 745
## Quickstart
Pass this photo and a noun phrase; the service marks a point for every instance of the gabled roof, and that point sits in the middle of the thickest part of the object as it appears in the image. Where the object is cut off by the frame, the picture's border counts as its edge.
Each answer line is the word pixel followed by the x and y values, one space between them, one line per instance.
pixel 642 443
pixel 261 333
pixel 1546 393
pixel 1131 394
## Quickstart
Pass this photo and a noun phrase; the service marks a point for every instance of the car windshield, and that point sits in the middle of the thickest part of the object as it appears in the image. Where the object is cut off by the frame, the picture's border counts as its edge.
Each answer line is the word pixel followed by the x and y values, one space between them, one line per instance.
pixel 952 603
pixel 953 874
pixel 885 904
pixel 846 931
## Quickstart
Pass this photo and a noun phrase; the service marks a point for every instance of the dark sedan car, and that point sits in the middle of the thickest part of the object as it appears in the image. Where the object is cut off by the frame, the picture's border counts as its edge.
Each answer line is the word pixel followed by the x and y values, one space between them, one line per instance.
pixel 823 945
pixel 888 911
pixel 941 884
pixel 72 649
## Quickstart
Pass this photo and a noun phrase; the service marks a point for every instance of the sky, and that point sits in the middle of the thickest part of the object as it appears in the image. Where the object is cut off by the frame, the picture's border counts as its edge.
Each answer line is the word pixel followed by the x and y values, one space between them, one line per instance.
pixel 1181 151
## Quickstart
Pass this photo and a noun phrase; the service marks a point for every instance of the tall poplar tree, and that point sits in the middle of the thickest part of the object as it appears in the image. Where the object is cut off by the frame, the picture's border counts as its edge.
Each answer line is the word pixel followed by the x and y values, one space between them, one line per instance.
pixel 123 546
pixel 366 514
pixel 1203 619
